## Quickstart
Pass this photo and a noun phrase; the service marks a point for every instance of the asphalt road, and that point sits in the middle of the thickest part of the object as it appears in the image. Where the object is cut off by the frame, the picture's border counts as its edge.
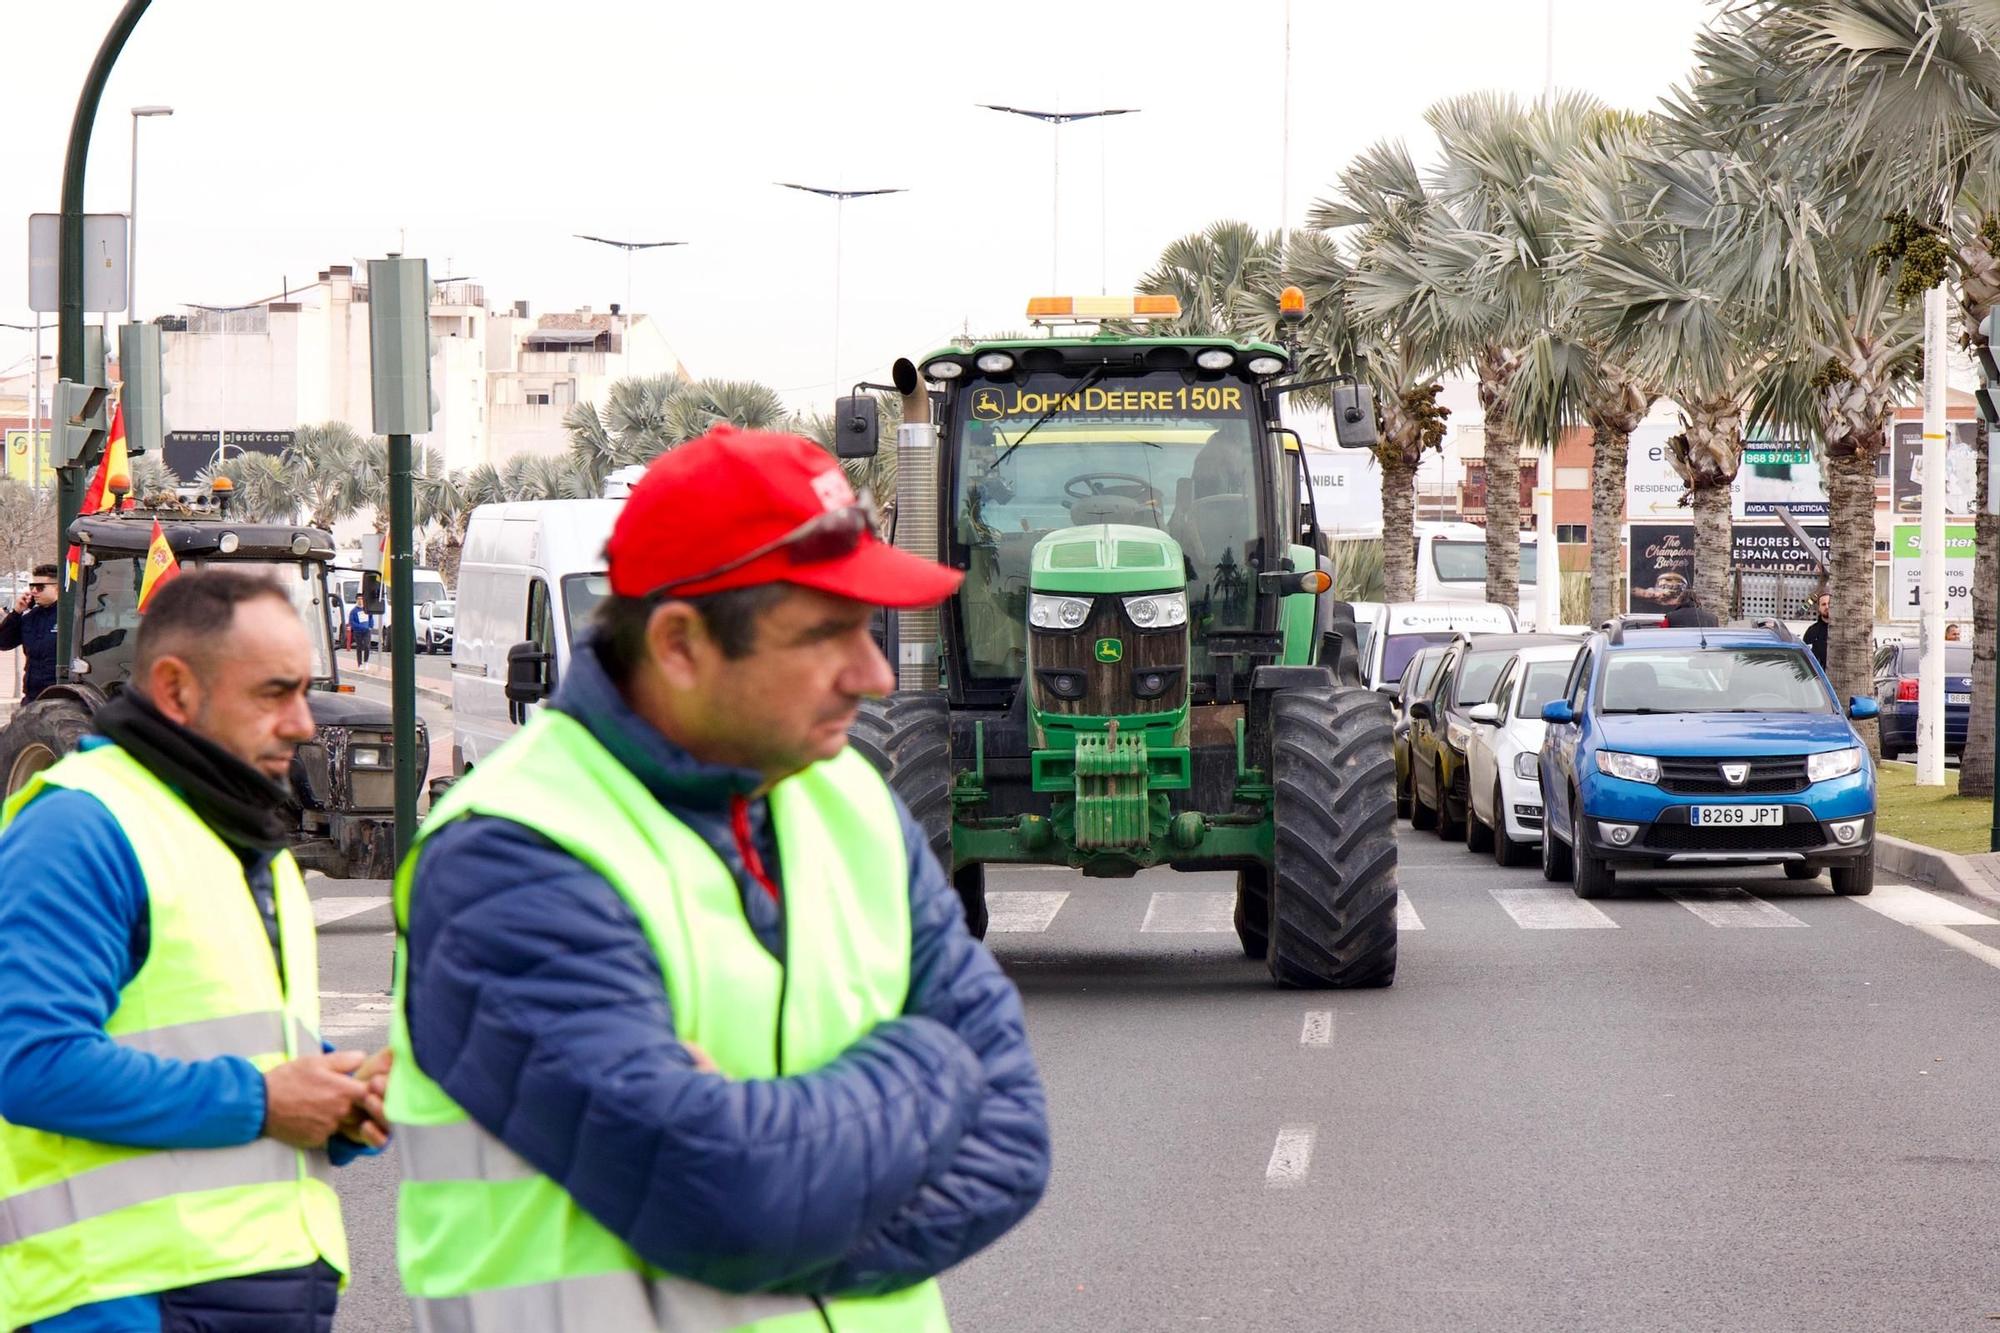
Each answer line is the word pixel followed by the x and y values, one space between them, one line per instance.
pixel 1714 1110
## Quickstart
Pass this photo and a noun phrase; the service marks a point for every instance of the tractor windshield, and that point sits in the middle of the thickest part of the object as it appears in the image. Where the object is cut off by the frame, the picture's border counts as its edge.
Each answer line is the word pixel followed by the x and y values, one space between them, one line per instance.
pixel 109 610
pixel 1159 450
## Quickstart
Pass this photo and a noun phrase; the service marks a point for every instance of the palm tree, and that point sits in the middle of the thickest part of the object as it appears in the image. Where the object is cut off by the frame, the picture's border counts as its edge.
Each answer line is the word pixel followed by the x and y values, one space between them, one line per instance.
pixel 645 416
pixel 1215 273
pixel 262 487
pixel 331 465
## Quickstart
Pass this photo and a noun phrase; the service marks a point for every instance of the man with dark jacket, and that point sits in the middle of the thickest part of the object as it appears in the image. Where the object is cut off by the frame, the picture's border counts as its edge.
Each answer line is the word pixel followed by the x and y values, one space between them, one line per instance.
pixel 1689 613
pixel 1815 635
pixel 168 1114
pixel 31 627
pixel 684 984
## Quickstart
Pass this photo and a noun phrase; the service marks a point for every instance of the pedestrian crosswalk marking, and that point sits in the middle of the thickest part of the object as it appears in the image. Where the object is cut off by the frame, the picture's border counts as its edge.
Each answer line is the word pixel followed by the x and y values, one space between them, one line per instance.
pixel 1188 913
pixel 1406 914
pixel 1318 1028
pixel 1729 907
pixel 1913 907
pixel 1291 1157
pixel 328 910
pixel 1550 909
pixel 1022 911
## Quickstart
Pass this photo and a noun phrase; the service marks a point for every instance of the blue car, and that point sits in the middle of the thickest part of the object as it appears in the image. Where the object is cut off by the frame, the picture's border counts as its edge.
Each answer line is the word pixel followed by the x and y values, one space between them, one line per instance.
pixel 1896 696
pixel 1689 747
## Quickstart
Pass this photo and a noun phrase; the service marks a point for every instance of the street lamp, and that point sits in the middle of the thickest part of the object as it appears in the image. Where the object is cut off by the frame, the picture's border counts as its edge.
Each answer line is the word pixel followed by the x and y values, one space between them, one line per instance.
pixel 132 214
pixel 629 247
pixel 840 198
pixel 1056 120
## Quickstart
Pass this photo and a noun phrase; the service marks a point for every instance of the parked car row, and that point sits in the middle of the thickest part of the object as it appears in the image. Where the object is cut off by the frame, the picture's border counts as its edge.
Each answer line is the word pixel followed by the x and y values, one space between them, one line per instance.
pixel 1640 747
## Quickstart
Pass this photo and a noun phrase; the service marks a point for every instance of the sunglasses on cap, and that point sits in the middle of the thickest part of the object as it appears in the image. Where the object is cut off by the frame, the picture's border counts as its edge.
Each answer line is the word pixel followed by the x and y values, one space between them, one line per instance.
pixel 824 537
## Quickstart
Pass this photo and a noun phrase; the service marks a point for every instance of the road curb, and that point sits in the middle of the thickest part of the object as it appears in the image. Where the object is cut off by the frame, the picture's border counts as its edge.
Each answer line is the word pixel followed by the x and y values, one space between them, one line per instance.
pixel 1940 869
pixel 431 692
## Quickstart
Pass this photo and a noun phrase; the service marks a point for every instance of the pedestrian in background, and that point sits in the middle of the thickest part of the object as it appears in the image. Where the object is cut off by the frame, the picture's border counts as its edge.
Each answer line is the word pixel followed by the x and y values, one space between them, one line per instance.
pixel 361 629
pixel 168 1114
pixel 683 982
pixel 1815 636
pixel 1688 612
pixel 31 626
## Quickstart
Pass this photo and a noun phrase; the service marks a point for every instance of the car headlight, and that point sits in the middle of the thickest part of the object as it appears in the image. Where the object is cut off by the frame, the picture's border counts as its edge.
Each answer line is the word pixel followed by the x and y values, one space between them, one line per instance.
pixel 1161 610
pixel 367 756
pixel 1833 764
pixel 1527 765
pixel 1048 612
pixel 1631 767
pixel 1458 734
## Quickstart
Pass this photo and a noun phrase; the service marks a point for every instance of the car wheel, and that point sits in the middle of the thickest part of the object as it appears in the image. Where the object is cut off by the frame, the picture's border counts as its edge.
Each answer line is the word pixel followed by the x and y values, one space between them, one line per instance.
pixel 1449 828
pixel 1403 797
pixel 1555 854
pixel 1593 877
pixel 1421 815
pixel 1506 851
pixel 1800 870
pixel 1857 880
pixel 1480 835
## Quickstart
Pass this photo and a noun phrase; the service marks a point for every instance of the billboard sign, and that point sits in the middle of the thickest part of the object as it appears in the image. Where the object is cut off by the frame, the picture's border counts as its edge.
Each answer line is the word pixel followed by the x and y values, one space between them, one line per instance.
pixel 1347 491
pixel 1662 557
pixel 20 444
pixel 1906 571
pixel 1779 474
pixel 1906 469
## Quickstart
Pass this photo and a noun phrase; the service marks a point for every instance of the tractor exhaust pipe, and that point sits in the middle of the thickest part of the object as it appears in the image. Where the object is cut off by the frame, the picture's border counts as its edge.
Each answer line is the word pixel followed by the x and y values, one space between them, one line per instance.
pixel 916 524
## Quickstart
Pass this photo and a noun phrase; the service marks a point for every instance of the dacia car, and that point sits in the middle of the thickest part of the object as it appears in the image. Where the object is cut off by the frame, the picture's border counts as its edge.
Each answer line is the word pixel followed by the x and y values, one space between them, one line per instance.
pixel 1688 747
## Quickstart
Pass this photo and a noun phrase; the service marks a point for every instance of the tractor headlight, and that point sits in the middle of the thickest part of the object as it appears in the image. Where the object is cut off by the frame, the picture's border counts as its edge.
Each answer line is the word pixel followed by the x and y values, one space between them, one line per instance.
pixel 1215 359
pixel 1046 611
pixel 943 370
pixel 367 756
pixel 1528 765
pixel 1830 764
pixel 995 363
pixel 1631 767
pixel 1160 610
pixel 1265 365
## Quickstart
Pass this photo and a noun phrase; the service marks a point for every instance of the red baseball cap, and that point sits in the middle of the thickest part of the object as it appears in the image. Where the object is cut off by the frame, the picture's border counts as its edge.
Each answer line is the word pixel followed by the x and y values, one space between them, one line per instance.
pixel 716 500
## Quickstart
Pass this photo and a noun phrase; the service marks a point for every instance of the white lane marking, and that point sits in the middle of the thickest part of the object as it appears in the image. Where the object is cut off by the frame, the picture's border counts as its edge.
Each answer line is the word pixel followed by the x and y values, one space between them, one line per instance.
pixel 1023 911
pixel 1550 909
pixel 1914 907
pixel 1318 1029
pixel 1730 907
pixel 1190 914
pixel 328 910
pixel 1984 952
pixel 1406 915
pixel 1291 1157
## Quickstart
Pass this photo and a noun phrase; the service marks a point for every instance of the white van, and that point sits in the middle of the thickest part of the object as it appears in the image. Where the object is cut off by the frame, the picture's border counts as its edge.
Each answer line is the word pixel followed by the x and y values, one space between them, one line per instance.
pixel 531 572
pixel 1406 628
pixel 1451 565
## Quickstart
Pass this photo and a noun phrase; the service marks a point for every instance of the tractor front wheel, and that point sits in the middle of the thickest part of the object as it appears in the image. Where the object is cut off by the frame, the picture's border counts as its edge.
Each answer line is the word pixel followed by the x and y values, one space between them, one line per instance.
pixel 1333 881
pixel 907 736
pixel 40 734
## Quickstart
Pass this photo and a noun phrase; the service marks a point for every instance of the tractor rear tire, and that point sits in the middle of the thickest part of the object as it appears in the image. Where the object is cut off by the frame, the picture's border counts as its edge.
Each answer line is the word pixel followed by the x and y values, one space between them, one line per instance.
pixel 907 736
pixel 1253 911
pixel 40 734
pixel 1333 881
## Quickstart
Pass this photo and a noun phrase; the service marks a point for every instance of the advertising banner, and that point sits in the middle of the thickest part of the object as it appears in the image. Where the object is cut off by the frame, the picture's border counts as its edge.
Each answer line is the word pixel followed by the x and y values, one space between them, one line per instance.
pixel 189 451
pixel 1652 487
pixel 1906 469
pixel 20 444
pixel 1662 558
pixel 1779 474
pixel 1906 571
pixel 1347 491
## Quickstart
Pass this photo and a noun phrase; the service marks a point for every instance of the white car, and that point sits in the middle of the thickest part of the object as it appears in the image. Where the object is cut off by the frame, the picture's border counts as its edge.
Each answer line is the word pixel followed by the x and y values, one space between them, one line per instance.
pixel 1502 754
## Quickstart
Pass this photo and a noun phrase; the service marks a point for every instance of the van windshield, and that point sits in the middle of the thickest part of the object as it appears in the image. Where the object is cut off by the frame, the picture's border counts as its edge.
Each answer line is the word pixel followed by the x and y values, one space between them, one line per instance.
pixel 1465 562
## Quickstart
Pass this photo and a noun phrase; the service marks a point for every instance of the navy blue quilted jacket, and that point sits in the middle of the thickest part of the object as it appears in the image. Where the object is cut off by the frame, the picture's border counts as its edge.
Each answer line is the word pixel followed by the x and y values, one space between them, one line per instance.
pixel 536 1002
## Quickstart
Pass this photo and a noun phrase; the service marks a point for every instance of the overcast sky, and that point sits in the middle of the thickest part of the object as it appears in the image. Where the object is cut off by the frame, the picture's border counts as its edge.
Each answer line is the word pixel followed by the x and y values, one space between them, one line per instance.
pixel 485 133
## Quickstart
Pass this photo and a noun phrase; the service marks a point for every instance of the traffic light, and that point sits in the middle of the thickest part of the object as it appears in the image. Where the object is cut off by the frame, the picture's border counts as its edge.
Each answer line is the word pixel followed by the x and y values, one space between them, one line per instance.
pixel 83 422
pixel 1988 393
pixel 400 345
pixel 139 362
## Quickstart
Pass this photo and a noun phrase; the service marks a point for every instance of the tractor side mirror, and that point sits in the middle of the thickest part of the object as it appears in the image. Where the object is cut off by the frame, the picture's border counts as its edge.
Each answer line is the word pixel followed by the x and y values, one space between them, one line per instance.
pixel 857 427
pixel 1354 416
pixel 527 678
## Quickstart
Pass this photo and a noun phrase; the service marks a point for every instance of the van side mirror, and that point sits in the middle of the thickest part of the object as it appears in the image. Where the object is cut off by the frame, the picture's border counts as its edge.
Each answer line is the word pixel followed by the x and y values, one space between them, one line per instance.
pixel 857 427
pixel 1354 416
pixel 371 593
pixel 1559 712
pixel 527 678
pixel 1861 709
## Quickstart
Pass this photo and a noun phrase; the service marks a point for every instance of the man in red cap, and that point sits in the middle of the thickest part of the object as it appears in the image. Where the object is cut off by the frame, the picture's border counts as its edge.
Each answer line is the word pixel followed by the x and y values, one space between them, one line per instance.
pixel 691 1032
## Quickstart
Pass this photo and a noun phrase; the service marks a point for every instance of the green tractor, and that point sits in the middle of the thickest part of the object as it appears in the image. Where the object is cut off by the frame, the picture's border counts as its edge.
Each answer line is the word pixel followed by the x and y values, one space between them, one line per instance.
pixel 1140 669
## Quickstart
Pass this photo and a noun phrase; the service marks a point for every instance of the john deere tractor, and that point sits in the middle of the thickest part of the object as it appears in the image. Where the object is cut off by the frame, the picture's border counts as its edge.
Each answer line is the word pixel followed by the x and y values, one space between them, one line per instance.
pixel 343 816
pixel 1141 668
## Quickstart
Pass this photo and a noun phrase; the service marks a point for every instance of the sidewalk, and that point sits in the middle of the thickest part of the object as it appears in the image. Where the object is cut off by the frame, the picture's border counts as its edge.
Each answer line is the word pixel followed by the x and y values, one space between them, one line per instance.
pixel 1975 876
pixel 437 694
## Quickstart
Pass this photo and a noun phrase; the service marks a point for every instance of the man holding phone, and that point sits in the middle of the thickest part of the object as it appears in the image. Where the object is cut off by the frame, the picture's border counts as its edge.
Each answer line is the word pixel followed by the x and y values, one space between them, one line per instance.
pixel 168 1114
pixel 30 625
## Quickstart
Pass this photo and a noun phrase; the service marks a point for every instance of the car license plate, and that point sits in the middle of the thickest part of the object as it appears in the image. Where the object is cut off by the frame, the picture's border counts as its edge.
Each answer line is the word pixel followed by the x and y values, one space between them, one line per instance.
pixel 1740 816
pixel 1965 699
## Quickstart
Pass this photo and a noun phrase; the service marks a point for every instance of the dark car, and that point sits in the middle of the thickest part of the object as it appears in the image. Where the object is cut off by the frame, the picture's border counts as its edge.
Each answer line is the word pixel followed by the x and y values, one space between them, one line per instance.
pixel 1440 729
pixel 1418 677
pixel 1896 695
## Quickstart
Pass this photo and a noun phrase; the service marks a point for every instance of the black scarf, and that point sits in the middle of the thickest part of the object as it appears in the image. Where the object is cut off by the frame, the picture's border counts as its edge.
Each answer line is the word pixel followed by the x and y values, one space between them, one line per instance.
pixel 241 805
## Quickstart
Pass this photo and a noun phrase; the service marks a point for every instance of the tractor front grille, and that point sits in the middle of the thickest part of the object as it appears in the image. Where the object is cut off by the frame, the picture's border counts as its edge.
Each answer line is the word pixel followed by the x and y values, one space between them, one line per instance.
pixel 1108 687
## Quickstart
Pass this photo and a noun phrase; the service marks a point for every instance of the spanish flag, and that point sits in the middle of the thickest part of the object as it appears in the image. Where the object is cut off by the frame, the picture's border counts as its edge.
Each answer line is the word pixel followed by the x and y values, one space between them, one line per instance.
pixel 98 497
pixel 161 567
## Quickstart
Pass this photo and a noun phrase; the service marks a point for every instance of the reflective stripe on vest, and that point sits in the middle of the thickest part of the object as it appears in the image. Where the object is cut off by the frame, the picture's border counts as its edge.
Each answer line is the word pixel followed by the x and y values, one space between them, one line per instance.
pixel 486 1243
pixel 83 1222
